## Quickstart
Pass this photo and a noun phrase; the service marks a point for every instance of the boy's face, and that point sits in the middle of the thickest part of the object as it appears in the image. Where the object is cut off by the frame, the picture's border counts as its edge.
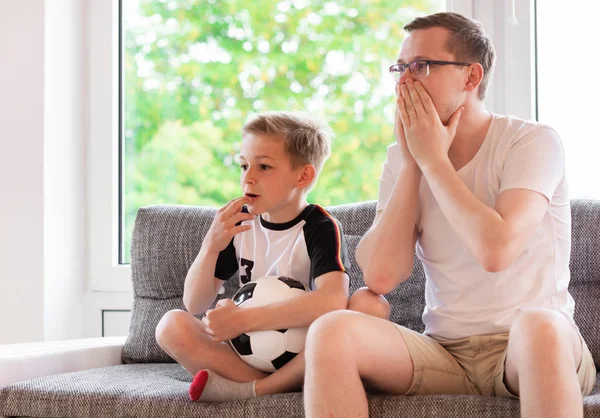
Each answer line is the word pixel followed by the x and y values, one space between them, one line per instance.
pixel 269 178
pixel 445 84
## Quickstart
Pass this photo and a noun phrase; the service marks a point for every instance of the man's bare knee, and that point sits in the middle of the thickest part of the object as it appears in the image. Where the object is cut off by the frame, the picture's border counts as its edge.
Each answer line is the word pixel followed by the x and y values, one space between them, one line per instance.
pixel 542 329
pixel 366 301
pixel 329 335
pixel 539 336
pixel 343 340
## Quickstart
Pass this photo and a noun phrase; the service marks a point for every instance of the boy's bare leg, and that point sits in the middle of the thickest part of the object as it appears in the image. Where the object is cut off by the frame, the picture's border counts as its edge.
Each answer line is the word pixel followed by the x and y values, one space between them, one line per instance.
pixel 340 357
pixel 544 351
pixel 366 301
pixel 181 336
pixel 287 379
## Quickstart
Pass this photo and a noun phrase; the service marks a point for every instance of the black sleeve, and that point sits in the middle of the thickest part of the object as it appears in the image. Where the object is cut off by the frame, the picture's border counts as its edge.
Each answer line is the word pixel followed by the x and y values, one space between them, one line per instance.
pixel 326 246
pixel 227 263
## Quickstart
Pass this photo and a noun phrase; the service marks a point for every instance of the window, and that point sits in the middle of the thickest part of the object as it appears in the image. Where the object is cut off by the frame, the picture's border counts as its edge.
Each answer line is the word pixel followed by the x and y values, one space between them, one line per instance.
pixel 568 87
pixel 194 70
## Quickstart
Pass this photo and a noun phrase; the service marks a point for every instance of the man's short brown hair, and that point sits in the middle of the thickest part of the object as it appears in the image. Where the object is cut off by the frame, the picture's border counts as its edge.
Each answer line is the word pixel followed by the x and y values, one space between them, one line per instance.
pixel 467 41
pixel 307 140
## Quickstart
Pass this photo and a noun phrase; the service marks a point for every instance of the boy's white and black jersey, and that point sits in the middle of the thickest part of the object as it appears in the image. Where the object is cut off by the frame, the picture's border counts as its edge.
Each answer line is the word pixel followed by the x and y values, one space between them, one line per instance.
pixel 304 248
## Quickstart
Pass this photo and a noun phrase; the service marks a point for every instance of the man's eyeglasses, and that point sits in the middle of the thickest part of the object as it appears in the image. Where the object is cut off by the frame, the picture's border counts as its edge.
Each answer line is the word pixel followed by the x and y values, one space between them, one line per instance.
pixel 419 68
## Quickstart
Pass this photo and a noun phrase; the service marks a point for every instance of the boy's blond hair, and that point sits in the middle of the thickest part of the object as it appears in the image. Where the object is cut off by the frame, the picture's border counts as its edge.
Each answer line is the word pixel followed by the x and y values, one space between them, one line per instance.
pixel 307 140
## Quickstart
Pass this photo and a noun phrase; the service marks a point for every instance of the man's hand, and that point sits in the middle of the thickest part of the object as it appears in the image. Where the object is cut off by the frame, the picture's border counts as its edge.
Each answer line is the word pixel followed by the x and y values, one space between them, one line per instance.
pixel 223 226
pixel 427 138
pixel 225 321
pixel 407 158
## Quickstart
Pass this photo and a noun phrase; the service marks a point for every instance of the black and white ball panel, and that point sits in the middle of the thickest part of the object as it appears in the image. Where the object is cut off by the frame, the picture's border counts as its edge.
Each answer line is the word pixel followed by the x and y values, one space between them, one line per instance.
pixel 245 293
pixel 272 289
pixel 241 344
pixel 269 350
pixel 295 284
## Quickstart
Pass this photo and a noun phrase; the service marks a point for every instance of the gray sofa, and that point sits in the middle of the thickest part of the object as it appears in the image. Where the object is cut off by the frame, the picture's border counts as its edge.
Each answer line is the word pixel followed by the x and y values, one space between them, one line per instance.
pixel 148 384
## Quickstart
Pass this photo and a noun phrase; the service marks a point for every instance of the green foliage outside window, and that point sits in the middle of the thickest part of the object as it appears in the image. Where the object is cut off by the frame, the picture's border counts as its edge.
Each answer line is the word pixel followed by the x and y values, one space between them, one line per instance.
pixel 195 70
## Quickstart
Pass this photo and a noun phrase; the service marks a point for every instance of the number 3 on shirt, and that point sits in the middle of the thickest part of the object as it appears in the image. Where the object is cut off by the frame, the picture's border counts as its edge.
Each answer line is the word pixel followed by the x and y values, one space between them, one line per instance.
pixel 248 265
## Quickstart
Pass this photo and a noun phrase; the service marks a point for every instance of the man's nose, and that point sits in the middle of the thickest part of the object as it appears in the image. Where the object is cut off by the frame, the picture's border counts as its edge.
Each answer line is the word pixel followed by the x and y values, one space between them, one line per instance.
pixel 405 76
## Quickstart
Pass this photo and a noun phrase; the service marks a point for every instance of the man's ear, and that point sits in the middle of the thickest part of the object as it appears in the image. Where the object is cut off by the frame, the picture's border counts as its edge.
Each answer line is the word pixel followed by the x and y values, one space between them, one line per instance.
pixel 307 176
pixel 475 77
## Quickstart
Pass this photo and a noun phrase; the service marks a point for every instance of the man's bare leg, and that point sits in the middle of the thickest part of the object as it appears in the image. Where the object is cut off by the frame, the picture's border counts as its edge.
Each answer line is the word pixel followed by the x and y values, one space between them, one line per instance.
pixel 544 351
pixel 290 377
pixel 340 357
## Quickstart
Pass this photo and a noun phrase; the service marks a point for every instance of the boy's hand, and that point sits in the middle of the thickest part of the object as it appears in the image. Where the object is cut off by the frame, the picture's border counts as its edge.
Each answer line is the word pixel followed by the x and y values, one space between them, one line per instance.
pixel 223 226
pixel 225 321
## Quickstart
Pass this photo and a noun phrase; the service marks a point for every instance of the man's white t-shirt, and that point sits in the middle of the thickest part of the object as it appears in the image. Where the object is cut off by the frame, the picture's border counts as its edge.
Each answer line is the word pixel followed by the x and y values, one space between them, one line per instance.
pixel 462 298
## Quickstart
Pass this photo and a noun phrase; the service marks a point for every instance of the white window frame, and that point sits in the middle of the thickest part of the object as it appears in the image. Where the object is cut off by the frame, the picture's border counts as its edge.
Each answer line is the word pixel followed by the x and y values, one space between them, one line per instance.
pixel 510 24
pixel 512 91
pixel 104 271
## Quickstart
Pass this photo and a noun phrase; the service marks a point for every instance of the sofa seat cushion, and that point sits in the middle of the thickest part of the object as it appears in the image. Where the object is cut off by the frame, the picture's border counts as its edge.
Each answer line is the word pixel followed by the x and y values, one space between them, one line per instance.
pixel 160 390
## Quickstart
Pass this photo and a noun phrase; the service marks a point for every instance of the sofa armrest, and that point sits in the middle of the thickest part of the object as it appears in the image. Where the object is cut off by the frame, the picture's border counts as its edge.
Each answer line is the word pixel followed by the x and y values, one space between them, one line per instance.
pixel 27 361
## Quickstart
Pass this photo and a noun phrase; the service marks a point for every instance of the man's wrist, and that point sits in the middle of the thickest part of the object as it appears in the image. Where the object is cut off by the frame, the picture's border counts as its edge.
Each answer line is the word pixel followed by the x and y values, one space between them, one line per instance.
pixel 410 171
pixel 410 166
pixel 428 167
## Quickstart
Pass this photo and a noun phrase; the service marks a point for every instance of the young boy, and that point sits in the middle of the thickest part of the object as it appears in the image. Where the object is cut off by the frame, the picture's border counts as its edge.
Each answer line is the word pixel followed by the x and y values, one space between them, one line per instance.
pixel 270 230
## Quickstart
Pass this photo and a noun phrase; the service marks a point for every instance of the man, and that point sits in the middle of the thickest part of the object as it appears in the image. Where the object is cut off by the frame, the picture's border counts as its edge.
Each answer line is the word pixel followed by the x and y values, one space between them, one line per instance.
pixel 485 198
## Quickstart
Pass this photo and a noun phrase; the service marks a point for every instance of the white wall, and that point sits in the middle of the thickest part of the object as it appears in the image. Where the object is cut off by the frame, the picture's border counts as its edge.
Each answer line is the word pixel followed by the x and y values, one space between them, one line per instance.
pixel 42 200
pixel 21 170
pixel 64 167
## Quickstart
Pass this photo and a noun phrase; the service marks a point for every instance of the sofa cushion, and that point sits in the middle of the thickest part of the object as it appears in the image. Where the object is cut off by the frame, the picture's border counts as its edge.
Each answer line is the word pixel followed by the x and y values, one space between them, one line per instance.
pixel 585 271
pixel 165 242
pixel 167 238
pixel 160 390
pixel 585 241
pixel 356 218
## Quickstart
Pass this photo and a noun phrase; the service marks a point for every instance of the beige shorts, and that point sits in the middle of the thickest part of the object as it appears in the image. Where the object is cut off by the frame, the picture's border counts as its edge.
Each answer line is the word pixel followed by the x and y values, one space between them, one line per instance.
pixel 471 365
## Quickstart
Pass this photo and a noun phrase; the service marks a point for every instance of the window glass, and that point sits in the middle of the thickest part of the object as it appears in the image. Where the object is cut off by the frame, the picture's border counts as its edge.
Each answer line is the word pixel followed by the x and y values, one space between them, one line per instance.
pixel 195 70
pixel 569 87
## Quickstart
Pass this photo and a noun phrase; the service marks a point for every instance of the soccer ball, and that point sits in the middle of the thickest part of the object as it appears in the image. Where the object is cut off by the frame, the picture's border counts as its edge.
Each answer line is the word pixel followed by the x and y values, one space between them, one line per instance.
pixel 269 350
